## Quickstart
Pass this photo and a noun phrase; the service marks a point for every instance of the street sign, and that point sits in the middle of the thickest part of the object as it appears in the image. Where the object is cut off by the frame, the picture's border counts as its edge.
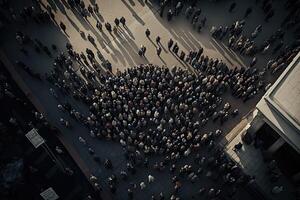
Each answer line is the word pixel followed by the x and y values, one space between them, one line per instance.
pixel 34 137
pixel 49 194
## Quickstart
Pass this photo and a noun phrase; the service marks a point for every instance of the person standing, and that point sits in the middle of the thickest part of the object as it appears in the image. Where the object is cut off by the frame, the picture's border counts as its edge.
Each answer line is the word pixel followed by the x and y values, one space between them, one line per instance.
pixel 175 48
pixel 170 43
pixel 158 40
pixel 170 15
pixel 123 21
pixel 117 22
pixel 162 8
pixel 108 27
pixel 147 32
pixel 99 25
pixel 96 8
pixel 63 26
pixel 158 50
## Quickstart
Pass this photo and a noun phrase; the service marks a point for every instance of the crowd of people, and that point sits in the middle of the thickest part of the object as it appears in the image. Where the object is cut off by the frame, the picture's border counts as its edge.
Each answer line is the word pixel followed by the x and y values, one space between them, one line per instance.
pixel 237 39
pixel 155 110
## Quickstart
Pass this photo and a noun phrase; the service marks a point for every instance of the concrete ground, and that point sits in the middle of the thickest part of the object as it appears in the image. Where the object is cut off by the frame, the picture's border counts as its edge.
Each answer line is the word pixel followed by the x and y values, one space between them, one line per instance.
pixel 252 161
pixel 121 50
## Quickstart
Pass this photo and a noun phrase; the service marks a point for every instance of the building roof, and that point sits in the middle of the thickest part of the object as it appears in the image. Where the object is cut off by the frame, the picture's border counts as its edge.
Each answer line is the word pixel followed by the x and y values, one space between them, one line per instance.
pixel 280 105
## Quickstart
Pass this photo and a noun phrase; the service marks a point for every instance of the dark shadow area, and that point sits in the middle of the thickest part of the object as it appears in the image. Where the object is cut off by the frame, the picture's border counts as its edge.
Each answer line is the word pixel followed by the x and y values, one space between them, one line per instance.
pixel 134 14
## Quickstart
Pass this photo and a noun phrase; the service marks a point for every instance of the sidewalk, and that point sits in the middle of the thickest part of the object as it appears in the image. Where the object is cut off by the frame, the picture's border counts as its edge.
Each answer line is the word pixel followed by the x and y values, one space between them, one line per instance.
pixel 22 85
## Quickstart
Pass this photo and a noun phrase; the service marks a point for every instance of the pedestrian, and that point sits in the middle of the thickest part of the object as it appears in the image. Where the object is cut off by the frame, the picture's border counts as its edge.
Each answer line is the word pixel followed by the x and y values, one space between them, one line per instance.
pixel 162 8
pixel 175 48
pixel 182 55
pixel 170 43
pixel 170 15
pixel 90 9
pixel 123 21
pixel 196 14
pixel 96 8
pixel 158 50
pixel 144 50
pixel 99 25
pixel 117 22
pixel 142 185
pixel 157 40
pixel 62 26
pixel 108 27
pixel 253 62
pixel 91 39
pixel 199 28
pixel 130 193
pixel 147 32
pixel 188 12
pixel 150 178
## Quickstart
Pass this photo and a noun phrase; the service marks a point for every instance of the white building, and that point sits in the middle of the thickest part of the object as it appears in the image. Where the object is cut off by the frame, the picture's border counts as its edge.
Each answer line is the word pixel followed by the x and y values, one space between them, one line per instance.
pixel 277 120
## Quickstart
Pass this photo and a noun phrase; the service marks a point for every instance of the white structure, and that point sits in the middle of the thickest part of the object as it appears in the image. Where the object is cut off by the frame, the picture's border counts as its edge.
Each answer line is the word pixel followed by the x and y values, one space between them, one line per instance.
pixel 34 137
pixel 49 194
pixel 279 108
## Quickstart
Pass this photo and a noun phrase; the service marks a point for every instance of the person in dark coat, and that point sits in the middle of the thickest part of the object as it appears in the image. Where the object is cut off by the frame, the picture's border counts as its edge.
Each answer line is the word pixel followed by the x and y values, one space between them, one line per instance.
pixel 170 43
pixel 147 32
pixel 158 50
pixel 108 27
pixel 117 22
pixel 123 21
pixel 170 15
pixel 158 40
pixel 62 26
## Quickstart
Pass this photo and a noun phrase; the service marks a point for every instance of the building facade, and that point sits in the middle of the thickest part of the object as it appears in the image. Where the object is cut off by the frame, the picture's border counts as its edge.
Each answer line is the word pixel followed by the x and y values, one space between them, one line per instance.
pixel 276 122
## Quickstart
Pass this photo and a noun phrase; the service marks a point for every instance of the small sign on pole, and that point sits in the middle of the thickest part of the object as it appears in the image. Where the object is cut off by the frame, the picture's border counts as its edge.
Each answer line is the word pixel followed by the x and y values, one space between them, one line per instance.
pixel 49 194
pixel 34 137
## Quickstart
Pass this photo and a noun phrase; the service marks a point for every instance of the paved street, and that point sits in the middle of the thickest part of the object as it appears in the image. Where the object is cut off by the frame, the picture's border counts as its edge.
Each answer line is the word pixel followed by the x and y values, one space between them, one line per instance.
pixel 121 50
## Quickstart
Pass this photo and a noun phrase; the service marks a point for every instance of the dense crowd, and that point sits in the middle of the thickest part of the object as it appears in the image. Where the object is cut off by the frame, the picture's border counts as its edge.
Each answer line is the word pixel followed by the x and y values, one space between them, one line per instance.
pixel 150 109
pixel 154 110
